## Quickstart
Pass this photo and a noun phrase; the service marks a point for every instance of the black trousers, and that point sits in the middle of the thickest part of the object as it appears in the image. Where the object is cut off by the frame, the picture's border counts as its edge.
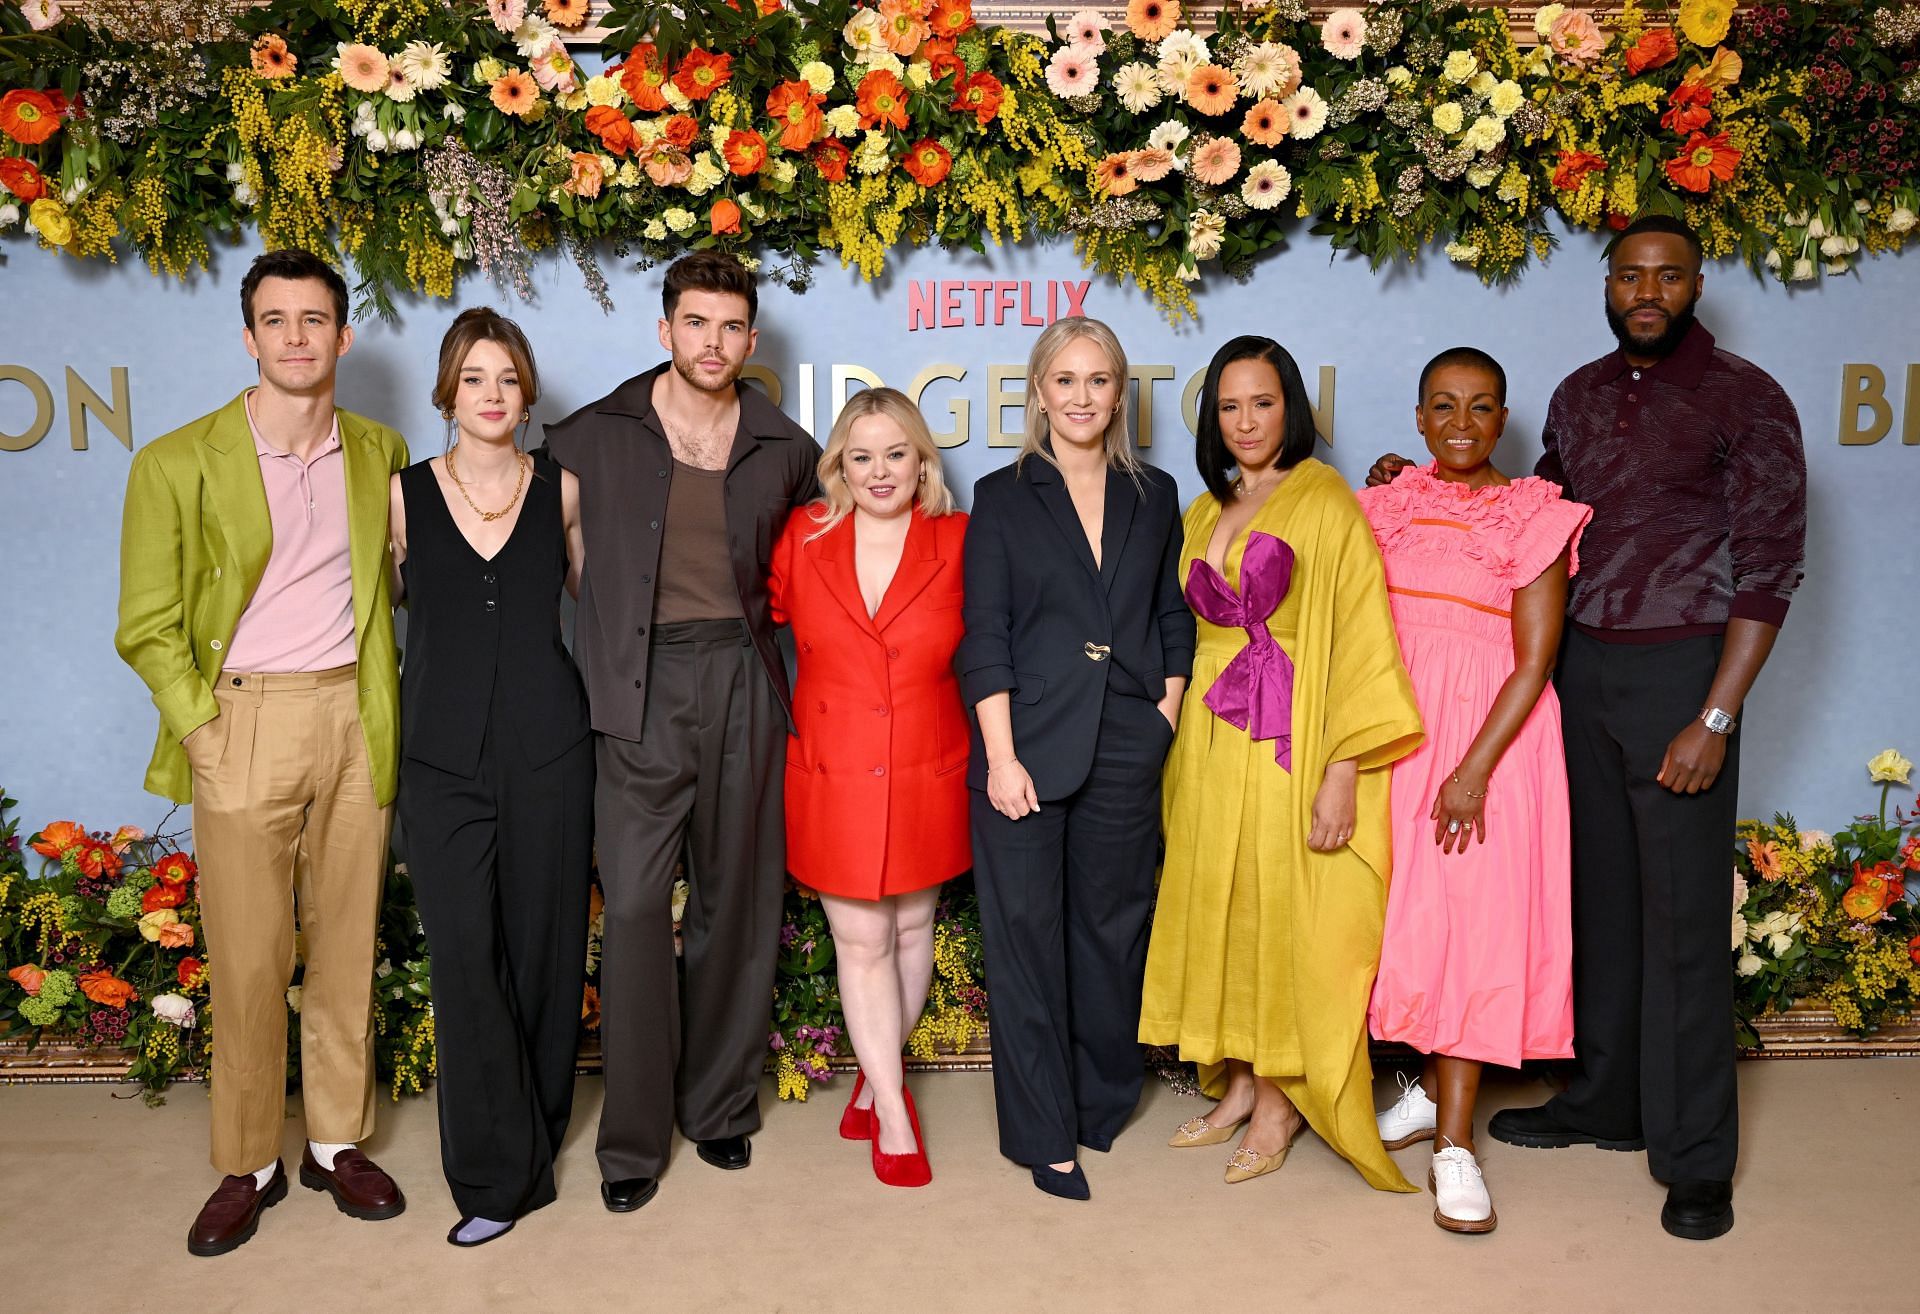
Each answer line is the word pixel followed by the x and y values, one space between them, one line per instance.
pixel 706 778
pixel 1652 894
pixel 502 866
pixel 1065 897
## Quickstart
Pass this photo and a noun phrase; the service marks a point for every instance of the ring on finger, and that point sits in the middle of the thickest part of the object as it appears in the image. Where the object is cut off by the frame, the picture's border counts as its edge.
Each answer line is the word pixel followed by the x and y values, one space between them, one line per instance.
pixel 1453 828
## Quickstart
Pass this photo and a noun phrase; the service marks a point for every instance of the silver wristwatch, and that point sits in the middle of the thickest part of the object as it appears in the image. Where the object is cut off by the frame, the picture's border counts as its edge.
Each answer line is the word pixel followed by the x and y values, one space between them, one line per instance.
pixel 1717 721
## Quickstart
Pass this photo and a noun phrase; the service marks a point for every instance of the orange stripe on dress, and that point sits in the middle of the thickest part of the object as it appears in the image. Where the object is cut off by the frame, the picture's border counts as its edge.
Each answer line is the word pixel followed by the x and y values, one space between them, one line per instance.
pixel 1449 524
pixel 1448 597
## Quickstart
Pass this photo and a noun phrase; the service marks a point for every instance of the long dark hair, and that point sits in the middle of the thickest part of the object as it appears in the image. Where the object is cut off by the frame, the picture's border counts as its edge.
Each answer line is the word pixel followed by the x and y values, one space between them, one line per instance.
pixel 1297 432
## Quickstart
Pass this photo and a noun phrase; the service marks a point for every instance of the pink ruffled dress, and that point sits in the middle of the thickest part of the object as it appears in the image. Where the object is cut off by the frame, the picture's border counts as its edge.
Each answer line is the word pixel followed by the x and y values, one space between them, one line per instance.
pixel 1477 957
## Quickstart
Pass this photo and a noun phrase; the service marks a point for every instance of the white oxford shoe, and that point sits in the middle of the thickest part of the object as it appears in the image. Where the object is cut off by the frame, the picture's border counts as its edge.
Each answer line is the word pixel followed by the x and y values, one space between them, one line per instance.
pixel 1413 1116
pixel 1460 1199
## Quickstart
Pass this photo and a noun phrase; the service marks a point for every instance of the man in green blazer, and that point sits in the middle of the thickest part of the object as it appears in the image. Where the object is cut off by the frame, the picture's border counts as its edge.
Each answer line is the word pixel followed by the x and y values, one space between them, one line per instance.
pixel 255 603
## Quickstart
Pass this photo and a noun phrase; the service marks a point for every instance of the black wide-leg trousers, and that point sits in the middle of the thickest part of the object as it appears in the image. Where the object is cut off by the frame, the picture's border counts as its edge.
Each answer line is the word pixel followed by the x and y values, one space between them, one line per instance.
pixel 1065 897
pixel 502 866
pixel 1652 897
pixel 706 778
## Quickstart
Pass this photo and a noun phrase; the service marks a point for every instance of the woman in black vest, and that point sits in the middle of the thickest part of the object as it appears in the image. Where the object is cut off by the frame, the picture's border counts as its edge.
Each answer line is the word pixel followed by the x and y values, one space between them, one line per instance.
pixel 1077 651
pixel 496 775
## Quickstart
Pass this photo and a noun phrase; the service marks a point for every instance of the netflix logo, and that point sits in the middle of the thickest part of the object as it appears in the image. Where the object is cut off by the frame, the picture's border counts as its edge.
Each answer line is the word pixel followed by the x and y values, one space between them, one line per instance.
pixel 955 303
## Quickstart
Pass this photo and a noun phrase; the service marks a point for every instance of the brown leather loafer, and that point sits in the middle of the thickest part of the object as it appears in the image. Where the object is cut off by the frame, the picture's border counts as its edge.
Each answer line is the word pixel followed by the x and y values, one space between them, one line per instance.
pixel 356 1183
pixel 228 1219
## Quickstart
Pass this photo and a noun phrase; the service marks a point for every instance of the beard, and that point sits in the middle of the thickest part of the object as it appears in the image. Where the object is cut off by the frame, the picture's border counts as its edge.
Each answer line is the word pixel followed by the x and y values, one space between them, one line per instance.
pixel 688 368
pixel 1657 345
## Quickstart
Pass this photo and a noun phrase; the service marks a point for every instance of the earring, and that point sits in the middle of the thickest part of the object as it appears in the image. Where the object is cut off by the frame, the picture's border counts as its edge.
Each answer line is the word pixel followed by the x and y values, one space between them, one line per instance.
pixel 526 417
pixel 923 476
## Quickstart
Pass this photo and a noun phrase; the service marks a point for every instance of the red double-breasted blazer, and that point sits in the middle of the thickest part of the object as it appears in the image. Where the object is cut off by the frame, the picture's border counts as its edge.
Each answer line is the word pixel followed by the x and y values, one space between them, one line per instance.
pixel 877 774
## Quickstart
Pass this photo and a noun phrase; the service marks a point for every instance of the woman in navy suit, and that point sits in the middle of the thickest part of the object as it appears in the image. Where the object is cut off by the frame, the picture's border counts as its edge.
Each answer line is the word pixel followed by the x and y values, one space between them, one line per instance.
pixel 1077 651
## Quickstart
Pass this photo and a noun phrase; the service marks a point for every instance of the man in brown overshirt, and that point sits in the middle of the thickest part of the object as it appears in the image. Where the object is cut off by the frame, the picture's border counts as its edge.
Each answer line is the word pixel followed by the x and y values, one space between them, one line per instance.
pixel 1692 462
pixel 686 477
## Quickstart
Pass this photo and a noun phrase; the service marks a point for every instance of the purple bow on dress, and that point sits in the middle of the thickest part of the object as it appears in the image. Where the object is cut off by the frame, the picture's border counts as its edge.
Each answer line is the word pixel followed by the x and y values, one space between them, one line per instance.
pixel 1255 692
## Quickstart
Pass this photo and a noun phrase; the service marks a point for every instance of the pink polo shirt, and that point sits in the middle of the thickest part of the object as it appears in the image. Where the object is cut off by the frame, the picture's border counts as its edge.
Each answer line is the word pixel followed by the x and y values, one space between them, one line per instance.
pixel 301 616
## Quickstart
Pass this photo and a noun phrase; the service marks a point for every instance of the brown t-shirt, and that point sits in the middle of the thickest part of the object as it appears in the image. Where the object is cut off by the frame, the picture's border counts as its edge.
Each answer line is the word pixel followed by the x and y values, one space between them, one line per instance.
pixel 696 572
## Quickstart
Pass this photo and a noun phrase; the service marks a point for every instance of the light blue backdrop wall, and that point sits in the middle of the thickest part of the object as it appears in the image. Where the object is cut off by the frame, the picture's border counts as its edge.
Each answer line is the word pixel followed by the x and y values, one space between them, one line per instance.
pixel 75 725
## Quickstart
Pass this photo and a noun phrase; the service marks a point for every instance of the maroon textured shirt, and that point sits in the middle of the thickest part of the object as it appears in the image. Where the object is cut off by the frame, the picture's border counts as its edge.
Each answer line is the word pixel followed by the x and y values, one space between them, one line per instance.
pixel 1698 484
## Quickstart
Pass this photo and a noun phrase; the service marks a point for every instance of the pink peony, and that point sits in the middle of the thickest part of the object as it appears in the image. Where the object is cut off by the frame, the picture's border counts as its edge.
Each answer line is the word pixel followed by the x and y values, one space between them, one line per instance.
pixel 1073 71
pixel 1344 34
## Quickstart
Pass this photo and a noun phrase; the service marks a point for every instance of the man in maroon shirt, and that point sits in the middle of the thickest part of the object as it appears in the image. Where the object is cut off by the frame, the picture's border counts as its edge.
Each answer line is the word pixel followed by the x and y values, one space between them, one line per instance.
pixel 1691 460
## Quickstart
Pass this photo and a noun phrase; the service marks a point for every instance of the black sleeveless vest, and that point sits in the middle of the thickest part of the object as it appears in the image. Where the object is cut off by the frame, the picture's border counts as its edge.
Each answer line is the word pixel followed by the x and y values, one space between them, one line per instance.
pixel 483 636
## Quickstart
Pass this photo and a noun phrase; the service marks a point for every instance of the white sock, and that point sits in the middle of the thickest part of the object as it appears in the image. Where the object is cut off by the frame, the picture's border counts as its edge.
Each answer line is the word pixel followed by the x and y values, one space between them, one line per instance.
pixel 480 1229
pixel 265 1175
pixel 324 1151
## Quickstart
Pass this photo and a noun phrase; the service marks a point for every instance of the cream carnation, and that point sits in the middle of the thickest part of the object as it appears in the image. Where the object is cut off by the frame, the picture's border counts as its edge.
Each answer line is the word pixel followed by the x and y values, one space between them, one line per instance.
pixel 817 75
pixel 1460 66
pixel 1447 117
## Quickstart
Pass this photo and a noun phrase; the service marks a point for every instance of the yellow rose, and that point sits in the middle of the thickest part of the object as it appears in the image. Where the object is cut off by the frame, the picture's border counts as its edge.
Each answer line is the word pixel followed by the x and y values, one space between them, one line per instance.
pixel 52 219
pixel 1888 767
pixel 1447 117
pixel 151 923
pixel 1705 22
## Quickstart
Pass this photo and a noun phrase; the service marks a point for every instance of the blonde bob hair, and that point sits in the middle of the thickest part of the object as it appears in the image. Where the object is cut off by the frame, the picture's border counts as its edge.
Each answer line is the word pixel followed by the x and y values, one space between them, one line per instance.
pixel 933 495
pixel 1052 341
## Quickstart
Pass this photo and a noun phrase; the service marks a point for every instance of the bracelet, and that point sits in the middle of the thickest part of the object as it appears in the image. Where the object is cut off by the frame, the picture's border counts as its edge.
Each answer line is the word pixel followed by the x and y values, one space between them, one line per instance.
pixel 1469 793
pixel 1012 761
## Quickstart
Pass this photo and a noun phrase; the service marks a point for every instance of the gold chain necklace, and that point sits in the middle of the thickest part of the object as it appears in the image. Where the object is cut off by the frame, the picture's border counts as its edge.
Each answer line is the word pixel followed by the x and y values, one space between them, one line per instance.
pixel 468 497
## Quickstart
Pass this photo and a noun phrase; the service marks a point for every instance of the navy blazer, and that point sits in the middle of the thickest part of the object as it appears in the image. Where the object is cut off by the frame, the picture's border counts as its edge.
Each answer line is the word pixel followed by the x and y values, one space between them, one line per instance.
pixel 1046 623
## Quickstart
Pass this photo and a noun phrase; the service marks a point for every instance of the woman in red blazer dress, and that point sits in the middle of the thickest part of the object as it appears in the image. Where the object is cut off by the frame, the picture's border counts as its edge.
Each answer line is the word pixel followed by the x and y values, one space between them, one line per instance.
pixel 876 796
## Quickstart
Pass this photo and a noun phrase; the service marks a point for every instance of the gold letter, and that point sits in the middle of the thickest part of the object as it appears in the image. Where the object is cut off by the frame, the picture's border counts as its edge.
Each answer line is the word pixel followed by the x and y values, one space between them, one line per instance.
pixel 1863 386
pixel 42 408
pixel 1145 376
pixel 845 374
pixel 959 408
pixel 766 378
pixel 81 398
pixel 999 399
pixel 1910 435
pixel 1323 406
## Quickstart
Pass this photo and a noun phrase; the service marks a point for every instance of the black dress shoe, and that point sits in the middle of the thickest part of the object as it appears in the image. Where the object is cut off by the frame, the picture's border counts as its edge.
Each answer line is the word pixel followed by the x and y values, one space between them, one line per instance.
pixel 1068 1185
pixel 453 1233
pixel 729 1152
pixel 1539 1129
pixel 1698 1210
pixel 628 1194
pixel 1100 1144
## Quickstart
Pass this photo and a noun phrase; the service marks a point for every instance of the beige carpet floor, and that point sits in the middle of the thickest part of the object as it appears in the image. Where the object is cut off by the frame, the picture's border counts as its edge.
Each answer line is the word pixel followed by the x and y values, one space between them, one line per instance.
pixel 96 1194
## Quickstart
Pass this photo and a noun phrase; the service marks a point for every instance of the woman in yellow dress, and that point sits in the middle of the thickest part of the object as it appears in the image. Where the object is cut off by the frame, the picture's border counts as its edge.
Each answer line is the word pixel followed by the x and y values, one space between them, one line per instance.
pixel 1273 893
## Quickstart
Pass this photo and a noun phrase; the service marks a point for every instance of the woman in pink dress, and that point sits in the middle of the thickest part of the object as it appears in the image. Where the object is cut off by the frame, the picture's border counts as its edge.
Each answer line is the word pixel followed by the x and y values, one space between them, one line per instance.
pixel 1476 964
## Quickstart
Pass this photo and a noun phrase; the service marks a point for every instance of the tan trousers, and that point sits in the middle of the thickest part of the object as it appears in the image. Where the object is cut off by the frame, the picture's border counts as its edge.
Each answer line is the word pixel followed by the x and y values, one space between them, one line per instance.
pixel 284 815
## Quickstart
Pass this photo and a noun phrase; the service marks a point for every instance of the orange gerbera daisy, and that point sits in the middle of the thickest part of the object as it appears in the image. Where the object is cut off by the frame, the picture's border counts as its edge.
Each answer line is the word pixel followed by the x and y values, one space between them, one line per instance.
pixel 951 17
pixel 979 95
pixel 642 76
pixel 1211 89
pixel 271 58
pixel 1266 123
pixel 514 93
pixel 902 26
pixel 701 74
pixel 1151 20
pixel 724 217
pixel 882 99
pixel 1115 174
pixel 795 108
pixel 568 13
pixel 1702 160
pixel 745 151
pixel 928 163
pixel 28 116
pixel 1151 164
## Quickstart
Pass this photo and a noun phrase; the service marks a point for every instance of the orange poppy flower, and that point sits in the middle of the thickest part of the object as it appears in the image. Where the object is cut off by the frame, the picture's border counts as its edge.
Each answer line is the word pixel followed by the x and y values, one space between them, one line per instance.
pixel 57 838
pixel 1655 49
pixel 680 130
pixel 928 163
pixel 97 859
pixel 1702 160
pixel 588 176
pixel 28 116
pixel 1913 950
pixel 21 178
pixel 1266 123
pixel 724 217
pixel 951 18
pixel 1574 167
pixel 613 128
pixel 106 989
pixel 830 158
pixel 160 896
pixel 271 59
pixel 189 969
pixel 795 108
pixel 568 13
pixel 881 99
pixel 665 163
pixel 902 26
pixel 770 7
pixel 1115 174
pixel 642 76
pixel 514 93
pixel 176 869
pixel 1151 20
pixel 701 74
pixel 1688 112
pixel 1211 89
pixel 979 95
pixel 28 977
pixel 745 151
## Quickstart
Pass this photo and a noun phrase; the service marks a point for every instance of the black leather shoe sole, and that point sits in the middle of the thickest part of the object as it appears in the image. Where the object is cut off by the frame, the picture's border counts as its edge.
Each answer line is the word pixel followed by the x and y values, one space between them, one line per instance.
pixel 313 1181
pixel 1559 1139
pixel 732 1161
pixel 1698 1227
pixel 206 1250
pixel 625 1202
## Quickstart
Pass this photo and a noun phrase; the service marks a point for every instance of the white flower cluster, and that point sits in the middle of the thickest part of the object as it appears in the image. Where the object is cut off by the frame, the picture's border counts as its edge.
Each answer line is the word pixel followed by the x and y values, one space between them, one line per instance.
pixel 366 125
